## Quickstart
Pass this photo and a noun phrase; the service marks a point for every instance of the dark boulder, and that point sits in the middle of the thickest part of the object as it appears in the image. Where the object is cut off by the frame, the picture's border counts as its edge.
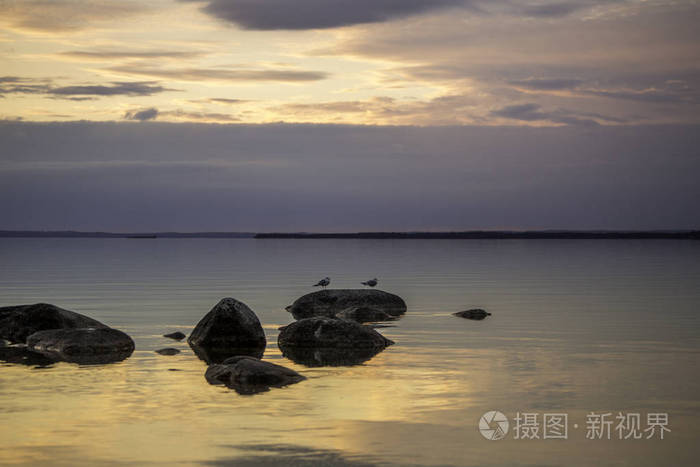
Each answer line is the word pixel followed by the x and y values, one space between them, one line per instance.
pixel 322 332
pixel 229 329
pixel 168 351
pixel 178 336
pixel 84 345
pixel 248 375
pixel 331 302
pixel 363 314
pixel 475 313
pixel 18 322
pixel 324 341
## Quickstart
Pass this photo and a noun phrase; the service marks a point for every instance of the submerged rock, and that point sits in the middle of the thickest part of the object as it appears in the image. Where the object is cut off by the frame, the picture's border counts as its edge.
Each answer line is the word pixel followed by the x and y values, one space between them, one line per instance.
pixel 249 375
pixel 475 313
pixel 363 314
pixel 168 351
pixel 84 345
pixel 178 336
pixel 19 322
pixel 229 329
pixel 331 302
pixel 322 332
pixel 322 341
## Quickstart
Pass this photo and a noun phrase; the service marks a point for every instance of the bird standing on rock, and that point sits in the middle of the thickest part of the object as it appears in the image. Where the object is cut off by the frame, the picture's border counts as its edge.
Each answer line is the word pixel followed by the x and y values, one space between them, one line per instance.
pixel 323 282
pixel 371 282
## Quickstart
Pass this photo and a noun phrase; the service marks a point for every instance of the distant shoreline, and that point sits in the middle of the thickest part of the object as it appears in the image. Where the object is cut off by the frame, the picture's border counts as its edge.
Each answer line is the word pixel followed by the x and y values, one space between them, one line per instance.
pixel 465 235
pixel 131 235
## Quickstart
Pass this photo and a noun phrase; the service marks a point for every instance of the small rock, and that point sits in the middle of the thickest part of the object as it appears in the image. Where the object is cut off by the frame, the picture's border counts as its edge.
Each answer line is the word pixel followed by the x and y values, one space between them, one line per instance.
pixel 330 332
pixel 475 313
pixel 249 375
pixel 168 351
pixel 178 336
pixel 83 345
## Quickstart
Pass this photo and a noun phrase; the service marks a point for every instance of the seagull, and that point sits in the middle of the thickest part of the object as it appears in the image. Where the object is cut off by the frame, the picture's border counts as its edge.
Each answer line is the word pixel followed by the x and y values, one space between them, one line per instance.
pixel 323 282
pixel 371 282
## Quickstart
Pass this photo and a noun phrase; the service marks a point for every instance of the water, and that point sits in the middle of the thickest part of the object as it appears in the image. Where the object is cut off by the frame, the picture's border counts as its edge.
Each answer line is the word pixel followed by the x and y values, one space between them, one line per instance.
pixel 578 326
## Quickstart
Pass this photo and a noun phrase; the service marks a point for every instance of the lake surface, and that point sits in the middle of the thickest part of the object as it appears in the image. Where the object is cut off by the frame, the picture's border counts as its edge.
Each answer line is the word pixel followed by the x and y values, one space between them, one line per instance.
pixel 579 327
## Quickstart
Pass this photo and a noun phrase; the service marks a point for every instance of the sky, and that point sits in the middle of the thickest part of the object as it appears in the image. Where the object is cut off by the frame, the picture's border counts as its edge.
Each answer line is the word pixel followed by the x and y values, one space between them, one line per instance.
pixel 346 115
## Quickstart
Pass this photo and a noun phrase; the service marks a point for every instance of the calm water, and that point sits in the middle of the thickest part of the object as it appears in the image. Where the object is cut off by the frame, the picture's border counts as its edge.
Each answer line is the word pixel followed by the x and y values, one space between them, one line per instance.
pixel 578 327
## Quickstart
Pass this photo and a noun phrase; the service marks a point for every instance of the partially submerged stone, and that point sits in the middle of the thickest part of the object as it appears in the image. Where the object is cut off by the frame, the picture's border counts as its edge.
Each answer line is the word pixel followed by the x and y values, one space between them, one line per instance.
pixel 229 329
pixel 178 336
pixel 19 322
pixel 168 351
pixel 249 375
pixel 333 301
pixel 321 332
pixel 83 345
pixel 475 314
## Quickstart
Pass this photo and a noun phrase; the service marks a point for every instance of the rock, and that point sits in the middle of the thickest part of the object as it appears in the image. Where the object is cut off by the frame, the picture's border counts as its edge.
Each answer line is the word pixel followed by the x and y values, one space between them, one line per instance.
pixel 331 302
pixel 168 351
pixel 363 314
pixel 18 322
pixel 178 336
pixel 323 332
pixel 249 375
pixel 83 345
pixel 475 313
pixel 322 341
pixel 229 329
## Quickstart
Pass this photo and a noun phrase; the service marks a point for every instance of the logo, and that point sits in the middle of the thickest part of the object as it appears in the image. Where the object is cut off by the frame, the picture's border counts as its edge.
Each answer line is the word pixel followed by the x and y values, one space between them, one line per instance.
pixel 493 425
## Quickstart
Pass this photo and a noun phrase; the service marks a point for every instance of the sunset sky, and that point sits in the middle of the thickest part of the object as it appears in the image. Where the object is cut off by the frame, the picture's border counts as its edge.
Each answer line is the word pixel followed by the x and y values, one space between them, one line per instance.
pixel 413 105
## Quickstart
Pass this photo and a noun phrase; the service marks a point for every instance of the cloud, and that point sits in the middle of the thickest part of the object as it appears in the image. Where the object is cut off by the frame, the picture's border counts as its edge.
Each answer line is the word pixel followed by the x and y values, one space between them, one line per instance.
pixel 134 88
pixel 142 115
pixel 531 112
pixel 107 55
pixel 18 85
pixel 222 75
pixel 546 84
pixel 181 115
pixel 65 15
pixel 317 14
pixel 322 14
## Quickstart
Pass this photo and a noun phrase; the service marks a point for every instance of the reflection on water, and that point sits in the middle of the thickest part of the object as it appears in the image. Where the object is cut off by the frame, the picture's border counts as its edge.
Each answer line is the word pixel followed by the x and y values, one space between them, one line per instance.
pixel 219 354
pixel 577 326
pixel 328 356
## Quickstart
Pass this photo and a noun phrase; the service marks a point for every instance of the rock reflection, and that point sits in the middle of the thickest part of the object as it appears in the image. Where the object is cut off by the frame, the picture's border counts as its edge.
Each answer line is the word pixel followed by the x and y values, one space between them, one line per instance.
pixel 20 354
pixel 329 356
pixel 211 355
pixel 268 455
